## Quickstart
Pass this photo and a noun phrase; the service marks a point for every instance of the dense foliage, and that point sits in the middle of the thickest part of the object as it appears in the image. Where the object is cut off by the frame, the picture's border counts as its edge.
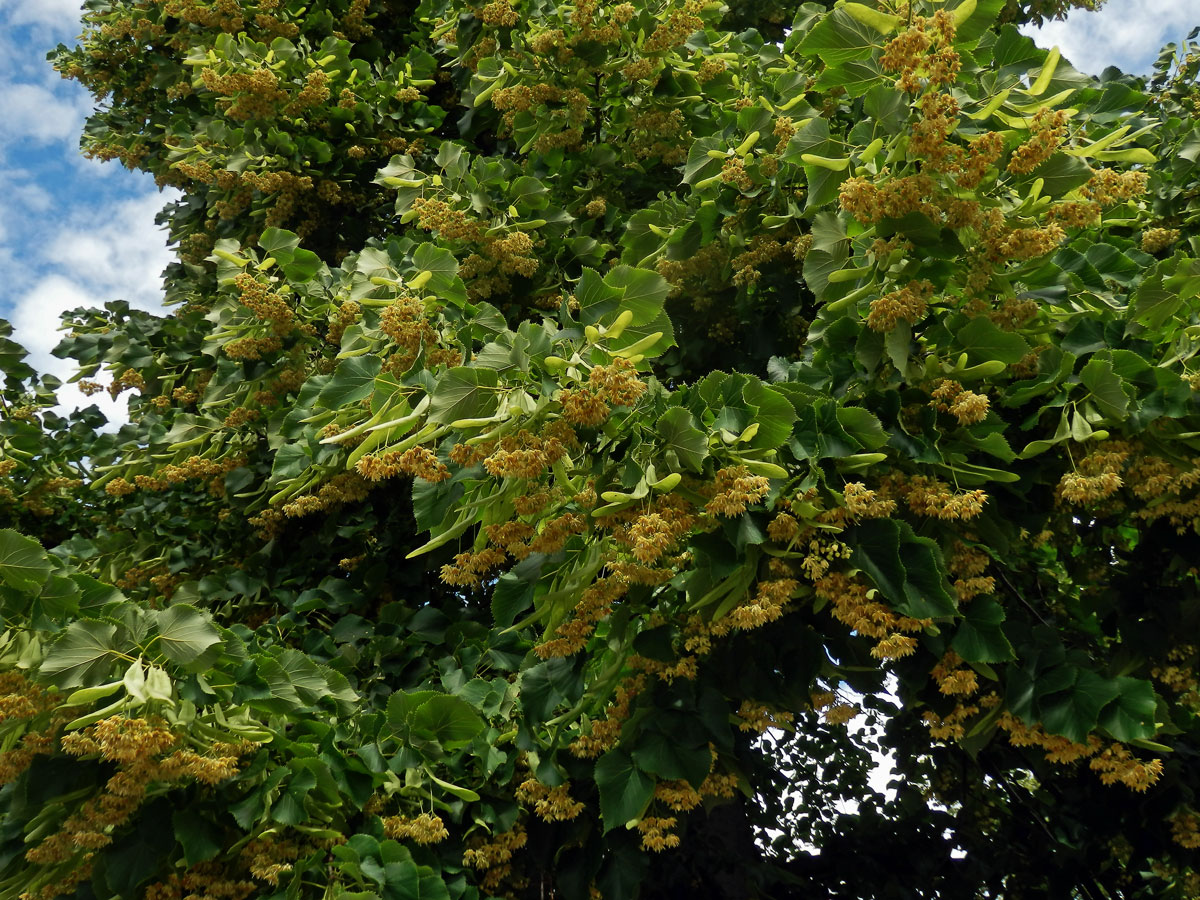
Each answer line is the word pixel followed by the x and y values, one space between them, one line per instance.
pixel 574 421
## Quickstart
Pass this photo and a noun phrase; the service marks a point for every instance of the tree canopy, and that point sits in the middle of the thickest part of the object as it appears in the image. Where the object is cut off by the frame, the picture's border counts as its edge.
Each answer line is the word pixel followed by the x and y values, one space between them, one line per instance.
pixel 583 438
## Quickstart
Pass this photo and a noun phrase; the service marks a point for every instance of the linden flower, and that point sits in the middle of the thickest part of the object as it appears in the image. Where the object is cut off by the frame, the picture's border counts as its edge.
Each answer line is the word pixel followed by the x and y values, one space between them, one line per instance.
pixel 736 490
pixel 423 829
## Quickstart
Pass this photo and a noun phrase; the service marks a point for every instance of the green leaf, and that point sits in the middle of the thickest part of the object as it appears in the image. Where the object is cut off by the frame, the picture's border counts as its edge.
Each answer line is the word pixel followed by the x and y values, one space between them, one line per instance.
pixel 625 790
pixel 681 437
pixel 87 696
pixel 95 595
pixel 1131 716
pixel 839 38
pixel 1070 700
pixel 1107 393
pixel 448 719
pixel 82 655
pixel 134 857
pixel 458 791
pixel 906 569
pixel 303 266
pixel 984 342
pixel 979 638
pixel 926 594
pixel 279 243
pixel 1060 175
pixel 699 164
pixel 666 757
pixel 354 380
pixel 464 393
pixel 402 704
pixel 199 838
pixel 445 282
pixel 863 426
pixel 644 292
pixel 24 565
pixel 59 598
pixel 856 76
pixel 545 685
pixel 185 633
pixel 775 415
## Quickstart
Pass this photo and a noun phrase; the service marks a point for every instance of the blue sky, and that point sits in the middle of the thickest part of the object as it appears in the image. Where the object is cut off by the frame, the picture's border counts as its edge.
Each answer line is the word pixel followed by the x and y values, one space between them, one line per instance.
pixel 77 232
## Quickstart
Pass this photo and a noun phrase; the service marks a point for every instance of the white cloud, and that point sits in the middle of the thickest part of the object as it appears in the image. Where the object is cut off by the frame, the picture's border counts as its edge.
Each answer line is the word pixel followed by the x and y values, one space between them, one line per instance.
pixel 35 320
pixel 1124 33
pixel 118 253
pixel 60 16
pixel 36 323
pixel 103 254
pixel 33 112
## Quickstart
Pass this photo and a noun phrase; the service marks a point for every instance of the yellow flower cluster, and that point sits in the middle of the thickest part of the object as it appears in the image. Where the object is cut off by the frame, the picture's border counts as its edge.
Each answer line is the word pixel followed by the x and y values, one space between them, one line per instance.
pixel 930 497
pixel 966 406
pixel 758 717
pixel 656 833
pixel 678 795
pixel 656 531
pixel 736 490
pixel 582 407
pixel 923 54
pixel 423 829
pixel 679 26
pixel 137 747
pixel 524 454
pixel 952 677
pixel 1097 476
pixel 499 13
pixel 967 565
pixel 1026 243
pixel 253 95
pixel 1117 764
pixel 1185 829
pixel 1181 677
pixel 1108 186
pixel 1114 763
pixel 982 153
pixel 852 606
pixel 128 379
pixel 604 732
pixel 469 567
pixel 928 142
pixel 238 417
pixel 268 858
pixel 1045 134
pixel 952 726
pixel 206 881
pixel 417 462
pixel 617 384
pixel 265 303
pixel 840 713
pixel 252 347
pixel 869 202
pixel 1168 490
pixel 608 386
pixel 594 605
pixel 348 487
pixel 551 804
pixel 1072 214
pixel 342 318
pixel 494 856
pixel 1155 240
pixel 191 469
pixel 906 304
pixel 768 604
